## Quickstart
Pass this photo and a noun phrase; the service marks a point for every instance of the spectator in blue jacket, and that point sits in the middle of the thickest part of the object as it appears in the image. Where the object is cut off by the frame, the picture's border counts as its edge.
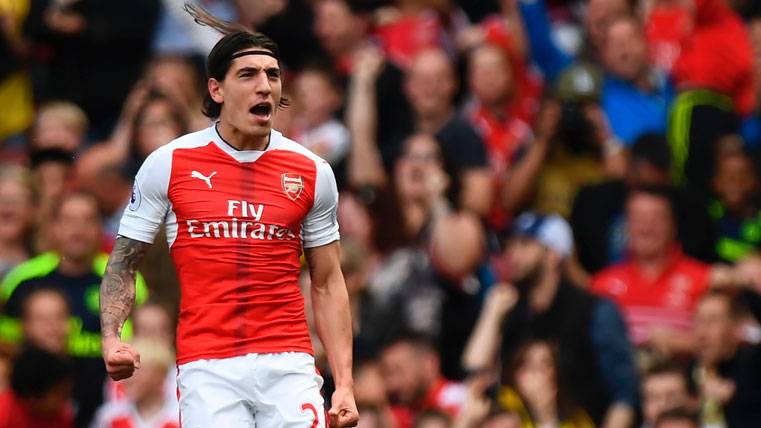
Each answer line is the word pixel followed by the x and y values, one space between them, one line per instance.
pixel 632 87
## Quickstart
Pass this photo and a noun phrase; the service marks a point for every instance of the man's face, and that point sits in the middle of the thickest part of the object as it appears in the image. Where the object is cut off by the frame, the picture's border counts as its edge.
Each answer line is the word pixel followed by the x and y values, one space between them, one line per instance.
pixel 78 228
pixel 599 13
pixel 625 50
pixel 524 259
pixel 662 392
pixel 250 93
pixel 46 321
pixel 490 75
pixel 336 26
pixel 431 85
pixel 735 181
pixel 714 330
pixel 157 127
pixel 419 163
pixel 153 322
pixel 403 370
pixel 650 224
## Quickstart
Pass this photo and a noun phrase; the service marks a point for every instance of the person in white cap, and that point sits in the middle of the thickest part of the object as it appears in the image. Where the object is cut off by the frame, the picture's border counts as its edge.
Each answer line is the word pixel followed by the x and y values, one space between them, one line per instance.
pixel 596 358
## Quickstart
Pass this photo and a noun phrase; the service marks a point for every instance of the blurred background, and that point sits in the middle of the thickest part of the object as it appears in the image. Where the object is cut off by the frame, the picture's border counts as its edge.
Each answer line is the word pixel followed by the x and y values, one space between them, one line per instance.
pixel 549 209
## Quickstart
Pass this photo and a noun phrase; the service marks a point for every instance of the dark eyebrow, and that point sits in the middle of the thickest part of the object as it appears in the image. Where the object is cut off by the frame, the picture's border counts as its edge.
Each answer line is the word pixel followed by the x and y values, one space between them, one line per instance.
pixel 257 69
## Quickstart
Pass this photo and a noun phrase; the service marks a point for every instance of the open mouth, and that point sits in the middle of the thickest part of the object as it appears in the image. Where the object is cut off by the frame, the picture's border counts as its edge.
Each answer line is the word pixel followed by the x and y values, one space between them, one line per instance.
pixel 262 110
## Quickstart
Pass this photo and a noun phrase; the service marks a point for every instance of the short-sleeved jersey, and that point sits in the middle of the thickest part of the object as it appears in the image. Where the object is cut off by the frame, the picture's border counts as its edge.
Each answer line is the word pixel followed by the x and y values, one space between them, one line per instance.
pixel 235 222
pixel 667 300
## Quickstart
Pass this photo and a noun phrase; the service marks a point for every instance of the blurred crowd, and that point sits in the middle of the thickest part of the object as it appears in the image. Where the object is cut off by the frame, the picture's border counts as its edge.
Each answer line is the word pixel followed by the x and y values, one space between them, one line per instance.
pixel 550 209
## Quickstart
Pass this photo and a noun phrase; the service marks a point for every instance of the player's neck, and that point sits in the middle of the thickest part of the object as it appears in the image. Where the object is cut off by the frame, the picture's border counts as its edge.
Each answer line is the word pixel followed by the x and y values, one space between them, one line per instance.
pixel 239 140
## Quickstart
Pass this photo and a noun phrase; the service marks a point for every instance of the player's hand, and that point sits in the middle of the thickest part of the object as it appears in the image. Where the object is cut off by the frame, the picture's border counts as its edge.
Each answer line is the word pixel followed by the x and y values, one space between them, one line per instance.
pixel 120 358
pixel 344 411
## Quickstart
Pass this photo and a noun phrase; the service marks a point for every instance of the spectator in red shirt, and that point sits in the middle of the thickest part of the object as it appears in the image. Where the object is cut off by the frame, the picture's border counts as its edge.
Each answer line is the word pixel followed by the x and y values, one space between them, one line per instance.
pixel 658 286
pixel 414 384
pixel 718 55
pixel 40 393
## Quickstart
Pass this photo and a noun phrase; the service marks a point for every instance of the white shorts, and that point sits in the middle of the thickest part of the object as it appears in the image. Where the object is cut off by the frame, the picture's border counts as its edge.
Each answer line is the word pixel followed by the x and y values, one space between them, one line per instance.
pixel 254 390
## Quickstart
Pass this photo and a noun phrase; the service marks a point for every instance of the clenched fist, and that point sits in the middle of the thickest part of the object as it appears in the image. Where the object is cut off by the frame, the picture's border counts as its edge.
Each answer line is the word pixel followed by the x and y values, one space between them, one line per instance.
pixel 120 358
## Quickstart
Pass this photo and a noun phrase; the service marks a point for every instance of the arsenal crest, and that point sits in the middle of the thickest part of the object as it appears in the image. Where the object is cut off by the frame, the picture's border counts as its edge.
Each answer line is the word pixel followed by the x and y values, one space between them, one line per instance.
pixel 292 185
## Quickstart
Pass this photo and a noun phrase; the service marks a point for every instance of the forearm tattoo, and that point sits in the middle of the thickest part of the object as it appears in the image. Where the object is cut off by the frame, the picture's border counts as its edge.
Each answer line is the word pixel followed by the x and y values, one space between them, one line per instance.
pixel 117 290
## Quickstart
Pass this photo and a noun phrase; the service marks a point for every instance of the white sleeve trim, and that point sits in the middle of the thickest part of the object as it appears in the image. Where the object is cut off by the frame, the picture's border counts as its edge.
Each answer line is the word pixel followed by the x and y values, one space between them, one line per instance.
pixel 320 227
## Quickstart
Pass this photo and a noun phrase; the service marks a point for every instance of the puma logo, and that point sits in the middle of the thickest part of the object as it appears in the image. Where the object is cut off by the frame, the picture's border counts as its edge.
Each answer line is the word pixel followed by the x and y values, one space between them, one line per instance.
pixel 207 180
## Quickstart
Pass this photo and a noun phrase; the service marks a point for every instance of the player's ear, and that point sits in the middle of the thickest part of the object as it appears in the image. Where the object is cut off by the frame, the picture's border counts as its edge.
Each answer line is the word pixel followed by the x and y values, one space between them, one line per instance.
pixel 215 91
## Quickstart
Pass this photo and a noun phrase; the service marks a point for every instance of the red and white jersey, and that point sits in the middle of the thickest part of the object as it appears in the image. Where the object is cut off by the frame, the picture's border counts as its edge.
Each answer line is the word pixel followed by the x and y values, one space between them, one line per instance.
pixel 124 414
pixel 667 300
pixel 235 223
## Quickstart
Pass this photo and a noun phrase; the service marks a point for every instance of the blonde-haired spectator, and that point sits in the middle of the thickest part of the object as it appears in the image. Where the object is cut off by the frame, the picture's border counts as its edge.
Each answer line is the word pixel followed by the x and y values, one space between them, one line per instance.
pixel 146 404
pixel 59 125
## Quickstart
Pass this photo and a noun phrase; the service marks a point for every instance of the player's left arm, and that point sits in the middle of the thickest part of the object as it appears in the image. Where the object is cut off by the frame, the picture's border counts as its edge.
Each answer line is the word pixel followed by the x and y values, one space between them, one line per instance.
pixel 332 318
pixel 330 300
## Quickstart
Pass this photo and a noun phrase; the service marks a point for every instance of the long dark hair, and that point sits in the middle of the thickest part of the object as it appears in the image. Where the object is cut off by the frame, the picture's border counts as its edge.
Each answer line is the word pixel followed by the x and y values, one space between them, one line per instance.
pixel 566 408
pixel 236 38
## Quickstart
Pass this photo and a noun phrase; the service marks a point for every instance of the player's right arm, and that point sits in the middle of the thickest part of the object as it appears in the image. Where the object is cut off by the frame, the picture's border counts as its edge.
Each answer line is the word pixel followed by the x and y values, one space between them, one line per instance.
pixel 141 221
pixel 117 295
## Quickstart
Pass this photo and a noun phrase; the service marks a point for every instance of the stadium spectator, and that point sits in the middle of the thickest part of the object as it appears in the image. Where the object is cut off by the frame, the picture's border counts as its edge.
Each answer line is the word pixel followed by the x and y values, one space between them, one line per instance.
pixel 98 52
pixel 736 209
pixel 496 109
pixel 677 418
pixel 726 370
pixel 456 252
pixel 715 77
pixel 632 87
pixel 596 360
pixel 585 151
pixel 178 78
pixel 548 55
pixel 318 96
pixel 408 27
pixel 52 175
pixel 153 324
pixel 45 320
pixel 370 393
pixel 147 403
pixel 40 393
pixel 431 86
pixel 598 215
pixel 428 276
pixel 664 387
pixel 59 125
pixel 658 286
pixel 112 187
pixel 433 419
pixel 156 120
pixel 17 211
pixel 532 389
pixel 76 268
pixel 343 29
pixel 413 381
